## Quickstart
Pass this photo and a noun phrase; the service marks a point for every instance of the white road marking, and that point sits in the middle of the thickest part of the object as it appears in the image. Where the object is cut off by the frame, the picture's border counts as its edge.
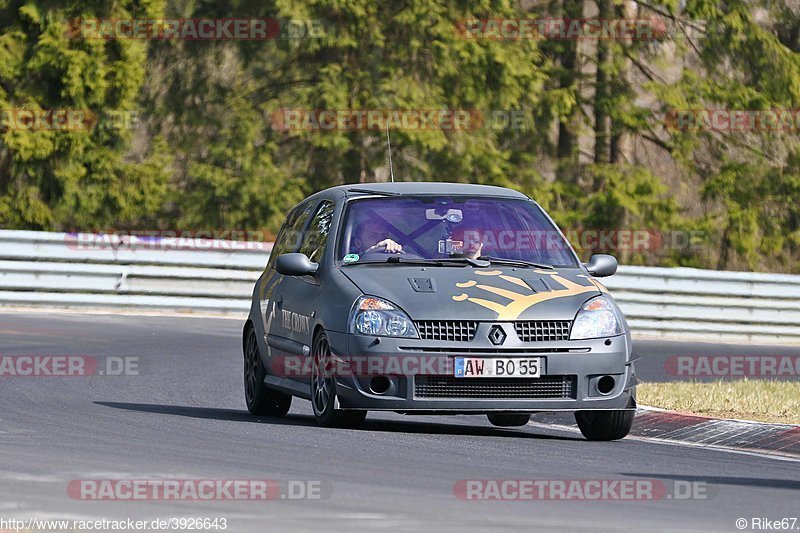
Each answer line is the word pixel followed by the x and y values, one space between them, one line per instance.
pixel 656 440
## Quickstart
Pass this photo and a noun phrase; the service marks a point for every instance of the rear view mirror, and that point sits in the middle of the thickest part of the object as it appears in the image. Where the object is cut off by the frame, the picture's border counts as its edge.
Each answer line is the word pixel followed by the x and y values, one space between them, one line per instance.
pixel 295 264
pixel 453 215
pixel 602 265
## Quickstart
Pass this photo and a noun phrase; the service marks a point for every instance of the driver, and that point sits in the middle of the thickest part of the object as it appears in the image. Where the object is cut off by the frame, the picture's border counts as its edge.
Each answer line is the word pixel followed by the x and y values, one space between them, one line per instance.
pixel 375 232
pixel 471 237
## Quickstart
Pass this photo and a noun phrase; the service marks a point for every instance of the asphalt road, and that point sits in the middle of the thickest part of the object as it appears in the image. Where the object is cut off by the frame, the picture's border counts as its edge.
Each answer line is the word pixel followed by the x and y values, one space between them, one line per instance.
pixel 183 417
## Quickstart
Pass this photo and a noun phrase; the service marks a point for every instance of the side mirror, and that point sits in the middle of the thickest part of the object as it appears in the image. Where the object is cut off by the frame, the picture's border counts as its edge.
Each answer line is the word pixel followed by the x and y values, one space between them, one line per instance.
pixel 602 265
pixel 295 265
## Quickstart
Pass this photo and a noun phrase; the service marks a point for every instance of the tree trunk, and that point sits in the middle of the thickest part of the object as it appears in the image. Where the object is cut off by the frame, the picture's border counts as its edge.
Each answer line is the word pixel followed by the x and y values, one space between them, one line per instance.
pixel 602 122
pixel 567 128
pixel 620 86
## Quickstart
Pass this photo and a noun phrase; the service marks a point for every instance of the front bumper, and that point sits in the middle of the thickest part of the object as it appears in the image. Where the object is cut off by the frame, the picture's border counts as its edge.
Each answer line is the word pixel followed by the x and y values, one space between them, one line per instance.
pixel 571 371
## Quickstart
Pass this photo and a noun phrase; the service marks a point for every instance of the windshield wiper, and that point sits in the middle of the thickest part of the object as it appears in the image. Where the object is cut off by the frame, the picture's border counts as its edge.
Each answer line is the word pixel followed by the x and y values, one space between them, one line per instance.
pixel 481 262
pixel 517 262
pixel 437 262
pixel 443 261
pixel 426 262
pixel 468 260
pixel 396 259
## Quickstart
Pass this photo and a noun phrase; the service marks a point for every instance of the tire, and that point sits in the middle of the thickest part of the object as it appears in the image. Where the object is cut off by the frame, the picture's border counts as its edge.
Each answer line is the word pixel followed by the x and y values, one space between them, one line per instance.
pixel 509 420
pixel 260 399
pixel 323 390
pixel 605 425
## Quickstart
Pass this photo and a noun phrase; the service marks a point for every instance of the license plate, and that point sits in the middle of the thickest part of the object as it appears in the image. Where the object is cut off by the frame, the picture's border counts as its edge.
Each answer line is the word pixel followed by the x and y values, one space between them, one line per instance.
pixel 498 367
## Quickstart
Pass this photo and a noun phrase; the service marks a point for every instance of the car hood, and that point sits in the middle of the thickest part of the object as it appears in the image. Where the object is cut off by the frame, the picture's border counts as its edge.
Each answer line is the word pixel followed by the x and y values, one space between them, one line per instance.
pixel 466 293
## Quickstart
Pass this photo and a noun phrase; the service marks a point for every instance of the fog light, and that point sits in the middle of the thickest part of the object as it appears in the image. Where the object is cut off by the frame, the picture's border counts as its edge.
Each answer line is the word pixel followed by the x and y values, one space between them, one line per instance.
pixel 379 384
pixel 606 384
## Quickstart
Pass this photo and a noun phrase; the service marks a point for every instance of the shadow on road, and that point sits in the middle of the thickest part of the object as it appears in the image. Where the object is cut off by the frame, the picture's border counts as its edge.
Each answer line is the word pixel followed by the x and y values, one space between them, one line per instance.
pixel 436 428
pixel 386 426
pixel 209 413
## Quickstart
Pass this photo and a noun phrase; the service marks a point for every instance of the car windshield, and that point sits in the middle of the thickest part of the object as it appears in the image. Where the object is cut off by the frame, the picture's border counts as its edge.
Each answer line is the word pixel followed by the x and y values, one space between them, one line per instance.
pixel 425 228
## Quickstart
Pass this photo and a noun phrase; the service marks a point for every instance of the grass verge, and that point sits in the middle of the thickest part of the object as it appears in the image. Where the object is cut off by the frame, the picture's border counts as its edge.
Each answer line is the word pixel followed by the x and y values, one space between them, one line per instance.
pixel 762 400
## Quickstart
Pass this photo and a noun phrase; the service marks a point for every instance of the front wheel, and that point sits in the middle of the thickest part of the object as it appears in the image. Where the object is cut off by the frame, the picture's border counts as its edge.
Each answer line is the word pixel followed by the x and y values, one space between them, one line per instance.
pixel 605 425
pixel 260 399
pixel 323 390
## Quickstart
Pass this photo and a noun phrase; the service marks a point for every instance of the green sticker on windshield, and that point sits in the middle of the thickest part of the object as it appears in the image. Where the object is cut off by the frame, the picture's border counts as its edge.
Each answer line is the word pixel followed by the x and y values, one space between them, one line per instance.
pixel 350 258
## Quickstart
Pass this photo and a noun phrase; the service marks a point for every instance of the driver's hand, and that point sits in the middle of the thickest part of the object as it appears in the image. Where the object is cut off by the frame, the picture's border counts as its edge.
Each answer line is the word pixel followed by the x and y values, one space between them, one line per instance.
pixel 388 245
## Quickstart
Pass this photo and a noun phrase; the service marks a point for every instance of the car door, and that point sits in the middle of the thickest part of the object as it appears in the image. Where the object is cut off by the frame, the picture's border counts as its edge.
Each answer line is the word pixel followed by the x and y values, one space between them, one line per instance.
pixel 282 356
pixel 301 294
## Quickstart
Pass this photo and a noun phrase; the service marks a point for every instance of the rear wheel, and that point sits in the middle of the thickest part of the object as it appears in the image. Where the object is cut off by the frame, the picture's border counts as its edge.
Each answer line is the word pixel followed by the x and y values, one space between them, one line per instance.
pixel 323 389
pixel 260 399
pixel 509 420
pixel 605 425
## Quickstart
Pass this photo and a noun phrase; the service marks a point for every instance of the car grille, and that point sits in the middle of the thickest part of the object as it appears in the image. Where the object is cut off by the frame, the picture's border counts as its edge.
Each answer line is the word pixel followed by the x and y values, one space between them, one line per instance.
pixel 500 388
pixel 543 330
pixel 447 330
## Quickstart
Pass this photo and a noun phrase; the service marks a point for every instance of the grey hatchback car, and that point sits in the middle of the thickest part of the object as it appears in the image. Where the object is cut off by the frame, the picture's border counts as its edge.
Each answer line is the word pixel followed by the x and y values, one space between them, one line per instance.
pixel 436 298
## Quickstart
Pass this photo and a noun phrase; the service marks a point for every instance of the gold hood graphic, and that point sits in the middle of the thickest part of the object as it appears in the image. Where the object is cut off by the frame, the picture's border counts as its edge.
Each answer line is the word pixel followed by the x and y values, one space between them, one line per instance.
pixel 519 302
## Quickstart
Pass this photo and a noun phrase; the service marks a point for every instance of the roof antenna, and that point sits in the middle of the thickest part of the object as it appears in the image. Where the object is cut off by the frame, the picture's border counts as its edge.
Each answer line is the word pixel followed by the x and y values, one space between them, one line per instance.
pixel 389 145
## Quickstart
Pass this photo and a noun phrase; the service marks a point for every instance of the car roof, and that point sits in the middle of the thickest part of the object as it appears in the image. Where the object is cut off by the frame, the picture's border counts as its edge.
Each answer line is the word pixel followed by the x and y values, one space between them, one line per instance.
pixel 414 188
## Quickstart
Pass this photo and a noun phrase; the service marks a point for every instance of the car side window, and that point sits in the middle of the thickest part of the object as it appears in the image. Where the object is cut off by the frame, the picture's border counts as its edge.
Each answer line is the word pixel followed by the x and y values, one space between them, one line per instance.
pixel 290 233
pixel 316 236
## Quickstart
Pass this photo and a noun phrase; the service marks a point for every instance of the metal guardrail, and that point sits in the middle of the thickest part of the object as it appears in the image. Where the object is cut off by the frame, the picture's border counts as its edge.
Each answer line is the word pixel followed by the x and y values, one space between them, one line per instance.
pixel 212 276
pixel 708 304
pixel 67 270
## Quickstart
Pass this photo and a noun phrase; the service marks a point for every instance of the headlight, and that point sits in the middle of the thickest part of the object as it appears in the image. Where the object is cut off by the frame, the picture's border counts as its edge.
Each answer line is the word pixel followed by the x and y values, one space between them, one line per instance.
pixel 597 318
pixel 376 316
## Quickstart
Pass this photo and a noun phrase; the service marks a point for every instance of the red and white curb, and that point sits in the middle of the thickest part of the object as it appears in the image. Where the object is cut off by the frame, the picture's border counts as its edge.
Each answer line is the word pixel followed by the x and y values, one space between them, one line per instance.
pixel 741 435
pixel 779 440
